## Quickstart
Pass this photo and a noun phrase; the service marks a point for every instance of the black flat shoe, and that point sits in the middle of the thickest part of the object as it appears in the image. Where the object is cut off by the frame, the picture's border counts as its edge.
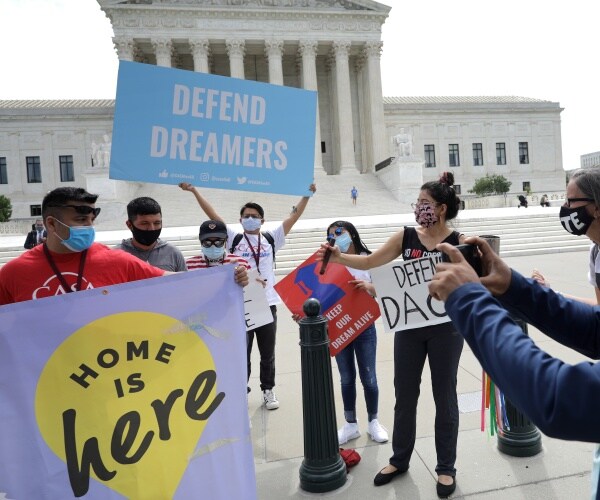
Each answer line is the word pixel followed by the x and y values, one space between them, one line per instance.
pixel 445 490
pixel 381 478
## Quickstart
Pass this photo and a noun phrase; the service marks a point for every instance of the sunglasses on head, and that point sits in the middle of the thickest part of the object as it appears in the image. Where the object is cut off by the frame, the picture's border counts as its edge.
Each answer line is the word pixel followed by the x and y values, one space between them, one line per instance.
pixel 210 243
pixel 81 209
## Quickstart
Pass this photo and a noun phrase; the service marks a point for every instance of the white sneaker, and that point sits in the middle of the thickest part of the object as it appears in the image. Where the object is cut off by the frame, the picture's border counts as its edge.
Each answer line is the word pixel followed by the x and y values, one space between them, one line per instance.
pixel 377 431
pixel 348 432
pixel 270 400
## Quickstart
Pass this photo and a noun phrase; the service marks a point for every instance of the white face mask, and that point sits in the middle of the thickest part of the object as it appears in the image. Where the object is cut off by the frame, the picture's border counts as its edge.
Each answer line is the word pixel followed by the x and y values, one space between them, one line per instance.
pixel 251 223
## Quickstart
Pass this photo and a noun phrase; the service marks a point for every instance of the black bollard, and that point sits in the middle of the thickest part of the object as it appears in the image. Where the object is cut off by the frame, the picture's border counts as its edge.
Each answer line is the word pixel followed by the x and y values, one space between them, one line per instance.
pixel 521 438
pixel 322 469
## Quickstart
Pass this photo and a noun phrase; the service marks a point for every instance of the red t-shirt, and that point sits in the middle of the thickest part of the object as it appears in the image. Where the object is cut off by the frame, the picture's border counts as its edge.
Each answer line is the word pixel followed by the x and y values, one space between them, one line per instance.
pixel 30 277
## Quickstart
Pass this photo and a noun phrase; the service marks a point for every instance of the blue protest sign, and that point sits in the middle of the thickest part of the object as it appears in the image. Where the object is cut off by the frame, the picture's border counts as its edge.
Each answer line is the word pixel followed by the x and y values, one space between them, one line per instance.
pixel 173 126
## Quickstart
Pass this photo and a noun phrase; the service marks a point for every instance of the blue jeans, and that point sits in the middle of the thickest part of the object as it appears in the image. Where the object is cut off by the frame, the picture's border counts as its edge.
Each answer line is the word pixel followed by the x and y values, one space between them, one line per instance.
pixel 364 348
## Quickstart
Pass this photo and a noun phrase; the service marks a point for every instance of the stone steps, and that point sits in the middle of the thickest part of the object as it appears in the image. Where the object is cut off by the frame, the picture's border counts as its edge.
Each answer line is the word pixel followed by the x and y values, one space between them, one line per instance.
pixel 521 234
pixel 332 197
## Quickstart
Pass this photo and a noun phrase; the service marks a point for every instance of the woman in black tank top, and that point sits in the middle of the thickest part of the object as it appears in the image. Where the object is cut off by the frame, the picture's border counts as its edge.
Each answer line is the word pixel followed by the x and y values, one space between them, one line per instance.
pixel 436 205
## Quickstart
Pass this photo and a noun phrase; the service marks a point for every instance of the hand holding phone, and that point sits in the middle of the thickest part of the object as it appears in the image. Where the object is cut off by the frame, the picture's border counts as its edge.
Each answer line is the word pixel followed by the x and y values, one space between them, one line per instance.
pixel 471 255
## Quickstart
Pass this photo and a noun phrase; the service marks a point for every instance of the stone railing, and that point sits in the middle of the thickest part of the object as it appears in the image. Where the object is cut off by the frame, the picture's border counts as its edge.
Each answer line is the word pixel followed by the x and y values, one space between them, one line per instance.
pixel 18 226
pixel 472 201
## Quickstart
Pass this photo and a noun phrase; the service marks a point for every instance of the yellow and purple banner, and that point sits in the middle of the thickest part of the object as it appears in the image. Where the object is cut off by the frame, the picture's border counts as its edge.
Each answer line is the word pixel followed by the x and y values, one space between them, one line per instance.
pixel 130 391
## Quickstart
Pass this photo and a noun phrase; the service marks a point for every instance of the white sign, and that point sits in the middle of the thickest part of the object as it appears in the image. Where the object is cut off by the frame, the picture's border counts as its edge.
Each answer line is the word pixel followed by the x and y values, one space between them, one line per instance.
pixel 403 295
pixel 256 308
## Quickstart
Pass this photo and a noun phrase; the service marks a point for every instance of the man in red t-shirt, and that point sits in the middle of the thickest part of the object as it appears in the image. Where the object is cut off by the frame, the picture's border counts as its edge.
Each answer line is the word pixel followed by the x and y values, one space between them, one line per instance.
pixel 69 260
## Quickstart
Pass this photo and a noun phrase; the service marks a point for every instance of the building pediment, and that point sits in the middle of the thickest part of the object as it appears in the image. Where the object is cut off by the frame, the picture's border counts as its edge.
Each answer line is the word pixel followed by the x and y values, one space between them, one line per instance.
pixel 327 5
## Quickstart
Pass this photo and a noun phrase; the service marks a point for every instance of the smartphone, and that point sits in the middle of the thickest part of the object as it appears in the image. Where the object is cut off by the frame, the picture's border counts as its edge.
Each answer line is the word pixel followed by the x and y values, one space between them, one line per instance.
pixel 471 255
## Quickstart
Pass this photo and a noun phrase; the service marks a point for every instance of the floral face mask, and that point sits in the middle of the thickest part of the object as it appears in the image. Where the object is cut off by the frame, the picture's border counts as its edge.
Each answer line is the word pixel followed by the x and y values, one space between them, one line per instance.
pixel 425 214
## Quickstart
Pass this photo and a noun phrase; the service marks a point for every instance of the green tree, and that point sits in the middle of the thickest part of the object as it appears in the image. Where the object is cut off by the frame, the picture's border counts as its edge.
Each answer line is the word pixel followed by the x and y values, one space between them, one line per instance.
pixel 491 184
pixel 5 209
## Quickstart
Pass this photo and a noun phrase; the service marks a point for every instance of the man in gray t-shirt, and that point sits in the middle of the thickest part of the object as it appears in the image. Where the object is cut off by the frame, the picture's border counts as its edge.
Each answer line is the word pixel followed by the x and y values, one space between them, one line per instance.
pixel 144 220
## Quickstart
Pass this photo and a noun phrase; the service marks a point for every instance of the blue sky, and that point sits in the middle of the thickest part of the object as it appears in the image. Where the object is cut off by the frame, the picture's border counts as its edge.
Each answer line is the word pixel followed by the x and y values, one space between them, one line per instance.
pixel 59 49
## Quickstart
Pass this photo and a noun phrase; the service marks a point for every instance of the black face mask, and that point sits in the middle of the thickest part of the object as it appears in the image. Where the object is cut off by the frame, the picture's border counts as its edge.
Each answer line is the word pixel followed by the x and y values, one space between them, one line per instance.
pixel 575 220
pixel 143 237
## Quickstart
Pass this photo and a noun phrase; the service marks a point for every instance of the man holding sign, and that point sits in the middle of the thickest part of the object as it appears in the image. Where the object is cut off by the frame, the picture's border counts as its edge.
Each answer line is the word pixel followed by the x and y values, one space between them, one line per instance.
pixel 69 260
pixel 437 204
pixel 259 249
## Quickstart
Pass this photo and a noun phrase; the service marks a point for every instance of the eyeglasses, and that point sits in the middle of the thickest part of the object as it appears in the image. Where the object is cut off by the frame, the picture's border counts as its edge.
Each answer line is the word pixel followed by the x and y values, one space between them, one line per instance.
pixel 80 209
pixel 574 200
pixel 425 203
pixel 210 243
pixel 251 216
pixel 336 232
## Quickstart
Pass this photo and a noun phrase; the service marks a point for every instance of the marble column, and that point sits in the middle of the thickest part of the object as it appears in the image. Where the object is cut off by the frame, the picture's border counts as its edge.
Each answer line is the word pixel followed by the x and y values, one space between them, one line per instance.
pixel 334 146
pixel 274 54
pixel 344 104
pixel 200 49
pixel 125 48
pixel 236 50
pixel 364 125
pixel 163 48
pixel 308 52
pixel 374 100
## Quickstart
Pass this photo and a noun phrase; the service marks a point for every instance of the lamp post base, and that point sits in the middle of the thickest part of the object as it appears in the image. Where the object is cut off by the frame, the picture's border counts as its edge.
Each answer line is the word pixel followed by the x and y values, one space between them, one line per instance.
pixel 323 478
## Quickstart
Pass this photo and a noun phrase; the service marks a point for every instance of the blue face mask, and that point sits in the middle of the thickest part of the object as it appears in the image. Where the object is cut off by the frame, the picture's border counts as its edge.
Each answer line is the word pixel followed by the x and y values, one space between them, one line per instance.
pixel 80 237
pixel 251 223
pixel 343 241
pixel 213 252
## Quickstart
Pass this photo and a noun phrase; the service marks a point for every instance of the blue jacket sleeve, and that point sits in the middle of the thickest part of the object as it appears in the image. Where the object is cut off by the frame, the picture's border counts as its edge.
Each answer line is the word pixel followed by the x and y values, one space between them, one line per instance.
pixel 562 400
pixel 567 321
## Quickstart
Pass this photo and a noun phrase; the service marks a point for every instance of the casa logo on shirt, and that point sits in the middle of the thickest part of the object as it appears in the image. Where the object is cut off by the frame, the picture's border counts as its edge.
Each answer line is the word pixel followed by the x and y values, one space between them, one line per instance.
pixel 52 286
pixel 246 251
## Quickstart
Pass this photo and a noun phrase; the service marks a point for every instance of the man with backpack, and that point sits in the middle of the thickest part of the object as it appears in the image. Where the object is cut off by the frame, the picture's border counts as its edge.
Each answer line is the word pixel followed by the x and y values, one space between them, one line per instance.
pixel 258 248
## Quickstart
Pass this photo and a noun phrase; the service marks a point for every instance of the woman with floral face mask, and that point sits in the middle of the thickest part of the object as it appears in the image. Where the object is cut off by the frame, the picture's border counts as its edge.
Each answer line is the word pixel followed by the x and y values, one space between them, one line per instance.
pixel 436 205
pixel 362 349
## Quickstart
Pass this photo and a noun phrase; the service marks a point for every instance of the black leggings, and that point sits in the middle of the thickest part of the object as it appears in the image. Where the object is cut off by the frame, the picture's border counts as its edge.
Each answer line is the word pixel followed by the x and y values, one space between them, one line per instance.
pixel 265 338
pixel 443 346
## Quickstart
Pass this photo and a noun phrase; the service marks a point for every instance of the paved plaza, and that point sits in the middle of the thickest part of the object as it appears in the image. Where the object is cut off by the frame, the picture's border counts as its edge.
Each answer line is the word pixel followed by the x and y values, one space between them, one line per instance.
pixel 561 470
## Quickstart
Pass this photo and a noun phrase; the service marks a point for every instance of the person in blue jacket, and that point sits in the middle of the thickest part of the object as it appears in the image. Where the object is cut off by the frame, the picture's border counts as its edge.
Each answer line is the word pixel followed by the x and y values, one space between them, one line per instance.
pixel 561 399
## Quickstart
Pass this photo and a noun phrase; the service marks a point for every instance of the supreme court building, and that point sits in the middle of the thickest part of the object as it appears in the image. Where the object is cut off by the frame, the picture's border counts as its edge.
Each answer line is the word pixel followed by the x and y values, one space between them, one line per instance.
pixel 331 46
